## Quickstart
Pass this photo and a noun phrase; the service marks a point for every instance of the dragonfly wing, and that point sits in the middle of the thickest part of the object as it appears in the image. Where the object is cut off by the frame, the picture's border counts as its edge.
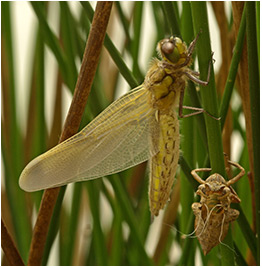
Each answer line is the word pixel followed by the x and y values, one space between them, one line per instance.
pixel 115 140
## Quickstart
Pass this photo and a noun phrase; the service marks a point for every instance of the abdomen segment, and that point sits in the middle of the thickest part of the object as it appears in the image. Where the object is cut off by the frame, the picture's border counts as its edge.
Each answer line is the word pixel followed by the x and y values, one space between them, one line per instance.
pixel 164 164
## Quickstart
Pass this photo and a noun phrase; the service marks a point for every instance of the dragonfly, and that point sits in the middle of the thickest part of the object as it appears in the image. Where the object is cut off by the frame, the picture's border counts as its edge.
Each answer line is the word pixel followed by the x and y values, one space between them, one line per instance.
pixel 139 126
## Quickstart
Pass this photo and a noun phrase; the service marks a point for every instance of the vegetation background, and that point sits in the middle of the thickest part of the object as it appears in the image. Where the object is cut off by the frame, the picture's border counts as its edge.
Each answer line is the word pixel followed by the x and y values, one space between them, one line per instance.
pixel 107 221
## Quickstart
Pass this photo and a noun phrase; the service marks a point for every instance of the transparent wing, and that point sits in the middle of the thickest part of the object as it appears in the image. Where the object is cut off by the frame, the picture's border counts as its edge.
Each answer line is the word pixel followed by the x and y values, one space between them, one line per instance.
pixel 115 140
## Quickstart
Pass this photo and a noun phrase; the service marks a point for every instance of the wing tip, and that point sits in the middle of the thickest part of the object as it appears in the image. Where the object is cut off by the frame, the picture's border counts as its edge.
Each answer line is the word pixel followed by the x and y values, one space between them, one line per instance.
pixel 28 178
pixel 25 181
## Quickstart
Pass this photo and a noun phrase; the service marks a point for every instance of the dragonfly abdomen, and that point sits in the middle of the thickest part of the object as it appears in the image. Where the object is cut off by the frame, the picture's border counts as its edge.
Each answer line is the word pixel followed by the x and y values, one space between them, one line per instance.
pixel 164 164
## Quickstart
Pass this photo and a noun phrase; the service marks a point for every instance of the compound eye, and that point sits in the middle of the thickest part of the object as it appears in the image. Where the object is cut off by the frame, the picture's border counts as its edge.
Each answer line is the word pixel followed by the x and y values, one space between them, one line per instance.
pixel 168 47
pixel 170 51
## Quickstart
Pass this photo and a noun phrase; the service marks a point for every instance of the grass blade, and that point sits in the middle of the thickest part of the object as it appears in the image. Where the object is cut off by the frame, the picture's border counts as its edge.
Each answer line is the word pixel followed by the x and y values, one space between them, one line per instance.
pixel 246 230
pixel 233 70
pixel 188 129
pixel 128 211
pixel 254 87
pixel 137 22
pixel 11 139
pixel 52 41
pixel 101 257
pixel 172 18
pixel 68 40
pixel 210 104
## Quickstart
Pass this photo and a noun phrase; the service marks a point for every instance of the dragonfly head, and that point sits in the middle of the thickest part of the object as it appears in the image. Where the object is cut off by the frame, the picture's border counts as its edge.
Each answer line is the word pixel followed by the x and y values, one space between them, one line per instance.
pixel 172 50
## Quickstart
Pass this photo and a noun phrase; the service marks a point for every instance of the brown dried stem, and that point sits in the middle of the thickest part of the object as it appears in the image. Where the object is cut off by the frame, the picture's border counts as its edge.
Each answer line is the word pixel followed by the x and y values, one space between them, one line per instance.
pixel 9 247
pixel 136 179
pixel 226 52
pixel 243 80
pixel 82 90
pixel 252 188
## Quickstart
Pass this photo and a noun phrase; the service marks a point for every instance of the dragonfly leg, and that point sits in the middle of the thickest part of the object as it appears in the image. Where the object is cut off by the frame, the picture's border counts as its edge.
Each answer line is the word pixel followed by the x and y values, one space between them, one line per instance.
pixel 181 99
pixel 197 110
pixel 190 51
pixel 196 176
pixel 190 74
pixel 193 44
pixel 237 177
pixel 195 73
pixel 196 80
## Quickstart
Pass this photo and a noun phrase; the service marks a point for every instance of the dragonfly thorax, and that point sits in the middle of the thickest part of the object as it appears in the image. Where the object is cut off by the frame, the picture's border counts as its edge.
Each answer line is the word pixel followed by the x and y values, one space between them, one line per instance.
pixel 164 87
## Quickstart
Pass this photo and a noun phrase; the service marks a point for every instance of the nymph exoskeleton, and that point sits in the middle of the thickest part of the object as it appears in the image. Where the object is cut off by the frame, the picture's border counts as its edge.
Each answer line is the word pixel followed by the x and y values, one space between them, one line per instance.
pixel 213 213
